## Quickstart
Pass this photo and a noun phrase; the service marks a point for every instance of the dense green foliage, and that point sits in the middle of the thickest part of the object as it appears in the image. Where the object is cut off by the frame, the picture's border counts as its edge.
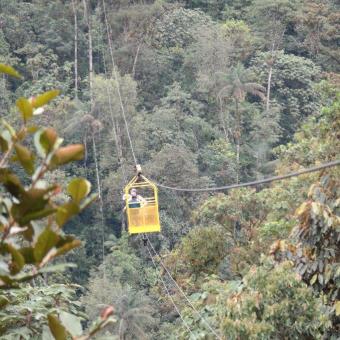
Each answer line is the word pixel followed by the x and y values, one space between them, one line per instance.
pixel 32 218
pixel 25 314
pixel 215 92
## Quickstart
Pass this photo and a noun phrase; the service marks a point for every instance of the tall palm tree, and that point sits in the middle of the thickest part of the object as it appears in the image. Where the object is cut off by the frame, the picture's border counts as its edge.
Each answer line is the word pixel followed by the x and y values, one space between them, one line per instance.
pixel 135 316
pixel 134 310
pixel 237 87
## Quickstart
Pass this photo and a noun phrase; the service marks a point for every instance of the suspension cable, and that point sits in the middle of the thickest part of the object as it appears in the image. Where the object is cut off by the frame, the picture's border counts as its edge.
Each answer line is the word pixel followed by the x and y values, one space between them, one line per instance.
pixel 169 295
pixel 108 28
pixel 254 183
pixel 227 187
pixel 182 292
pixel 99 187
pixel 115 135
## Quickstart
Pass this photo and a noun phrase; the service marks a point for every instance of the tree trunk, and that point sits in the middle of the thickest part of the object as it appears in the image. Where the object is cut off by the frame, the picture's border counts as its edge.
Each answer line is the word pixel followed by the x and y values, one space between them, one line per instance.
pixel 75 49
pixel 222 121
pixel 88 22
pixel 108 32
pixel 85 153
pixel 3 94
pixel 101 209
pixel 238 137
pixel 257 156
pixel 270 72
pixel 269 87
pixel 135 61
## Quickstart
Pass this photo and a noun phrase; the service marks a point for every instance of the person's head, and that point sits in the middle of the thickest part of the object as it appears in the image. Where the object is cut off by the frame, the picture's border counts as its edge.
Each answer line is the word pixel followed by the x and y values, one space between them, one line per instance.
pixel 133 192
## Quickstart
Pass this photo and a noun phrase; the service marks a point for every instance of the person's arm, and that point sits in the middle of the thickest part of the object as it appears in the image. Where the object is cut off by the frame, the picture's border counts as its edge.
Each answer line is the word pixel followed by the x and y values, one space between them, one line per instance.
pixel 125 197
pixel 142 200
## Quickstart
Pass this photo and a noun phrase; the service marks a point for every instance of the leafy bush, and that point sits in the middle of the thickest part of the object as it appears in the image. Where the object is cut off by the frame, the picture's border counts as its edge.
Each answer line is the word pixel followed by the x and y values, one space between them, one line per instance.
pixel 273 301
pixel 24 316
pixel 238 213
pixel 201 251
pixel 314 244
pixel 32 218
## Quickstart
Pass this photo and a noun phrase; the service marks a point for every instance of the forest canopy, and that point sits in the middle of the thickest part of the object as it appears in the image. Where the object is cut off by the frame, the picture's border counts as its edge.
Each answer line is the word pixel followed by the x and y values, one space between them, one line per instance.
pixel 201 94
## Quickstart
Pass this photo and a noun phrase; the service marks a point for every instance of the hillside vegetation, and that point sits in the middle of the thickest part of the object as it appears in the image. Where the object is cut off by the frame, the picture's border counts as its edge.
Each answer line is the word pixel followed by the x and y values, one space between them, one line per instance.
pixel 202 94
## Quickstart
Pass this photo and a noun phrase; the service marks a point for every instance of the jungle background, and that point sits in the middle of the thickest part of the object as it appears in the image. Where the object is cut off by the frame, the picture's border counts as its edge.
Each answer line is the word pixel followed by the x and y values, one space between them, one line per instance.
pixel 215 92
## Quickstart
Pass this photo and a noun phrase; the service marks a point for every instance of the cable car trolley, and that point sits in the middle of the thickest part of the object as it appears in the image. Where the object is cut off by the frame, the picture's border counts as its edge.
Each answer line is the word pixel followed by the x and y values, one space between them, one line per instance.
pixel 141 202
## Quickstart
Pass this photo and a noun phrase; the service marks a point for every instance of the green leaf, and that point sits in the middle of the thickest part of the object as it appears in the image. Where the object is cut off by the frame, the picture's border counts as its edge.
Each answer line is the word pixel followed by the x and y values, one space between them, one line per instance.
pixel 101 324
pixel 64 239
pixel 3 301
pixel 337 308
pixel 28 233
pixel 26 158
pixel 46 241
pixel 9 128
pixel 61 267
pixel 313 279
pixel 3 144
pixel 67 247
pixel 71 323
pixel 78 189
pixel 18 260
pixel 38 145
pixel 37 215
pixel 33 204
pixel 6 281
pixel 25 108
pixel 41 143
pixel 65 212
pixel 45 98
pixel 88 201
pixel 28 254
pixel 7 139
pixel 58 330
pixel 68 154
pixel 9 70
pixel 46 140
pixel 11 182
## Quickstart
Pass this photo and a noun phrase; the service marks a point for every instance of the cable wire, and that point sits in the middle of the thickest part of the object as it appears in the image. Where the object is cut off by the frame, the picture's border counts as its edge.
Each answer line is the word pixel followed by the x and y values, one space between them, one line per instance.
pixel 169 295
pixel 182 292
pixel 227 187
pixel 254 183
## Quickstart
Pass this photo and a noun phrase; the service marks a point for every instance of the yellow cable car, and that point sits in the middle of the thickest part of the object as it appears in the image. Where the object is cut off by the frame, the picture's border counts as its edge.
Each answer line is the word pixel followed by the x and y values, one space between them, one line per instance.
pixel 142 208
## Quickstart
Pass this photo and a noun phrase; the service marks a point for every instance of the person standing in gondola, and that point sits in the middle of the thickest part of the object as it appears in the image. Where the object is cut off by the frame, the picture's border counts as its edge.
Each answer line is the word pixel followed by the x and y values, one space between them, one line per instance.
pixel 134 200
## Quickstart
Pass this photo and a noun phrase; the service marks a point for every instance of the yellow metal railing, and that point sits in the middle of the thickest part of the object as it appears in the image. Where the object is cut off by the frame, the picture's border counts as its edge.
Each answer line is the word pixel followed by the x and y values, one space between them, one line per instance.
pixel 143 219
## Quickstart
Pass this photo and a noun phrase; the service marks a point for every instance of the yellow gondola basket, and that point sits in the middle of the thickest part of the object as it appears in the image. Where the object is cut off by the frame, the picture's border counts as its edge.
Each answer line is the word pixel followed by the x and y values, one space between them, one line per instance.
pixel 145 217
